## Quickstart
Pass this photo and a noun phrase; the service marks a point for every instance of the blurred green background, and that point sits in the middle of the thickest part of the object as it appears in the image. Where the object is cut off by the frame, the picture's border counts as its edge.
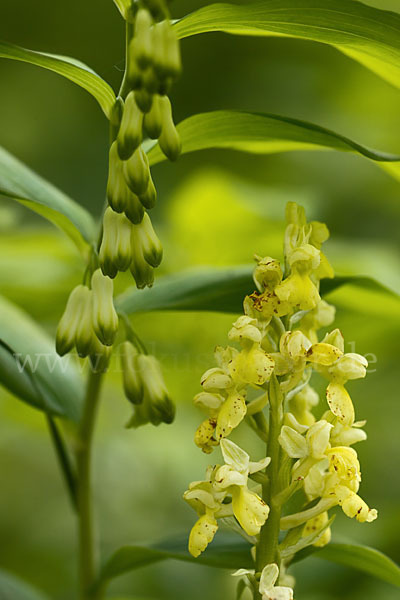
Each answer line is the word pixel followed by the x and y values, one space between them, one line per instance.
pixel 216 208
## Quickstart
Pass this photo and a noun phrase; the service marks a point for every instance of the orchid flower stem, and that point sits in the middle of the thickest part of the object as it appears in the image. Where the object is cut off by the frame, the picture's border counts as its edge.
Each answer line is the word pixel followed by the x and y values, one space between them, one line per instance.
pixel 268 546
pixel 87 544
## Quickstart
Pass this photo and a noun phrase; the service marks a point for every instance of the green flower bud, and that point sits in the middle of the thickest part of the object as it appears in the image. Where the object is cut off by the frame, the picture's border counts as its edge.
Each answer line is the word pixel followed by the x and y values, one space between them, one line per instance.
pixel 143 37
pixel 84 332
pixel 115 250
pixel 169 140
pixel 137 172
pixel 133 385
pixel 119 195
pixel 150 244
pixel 104 317
pixel 157 8
pixel 144 100
pixel 67 327
pixel 134 72
pixel 156 397
pixel 153 119
pixel 149 198
pixel 151 82
pixel 130 133
pixel 166 51
pixel 100 356
pixel 140 269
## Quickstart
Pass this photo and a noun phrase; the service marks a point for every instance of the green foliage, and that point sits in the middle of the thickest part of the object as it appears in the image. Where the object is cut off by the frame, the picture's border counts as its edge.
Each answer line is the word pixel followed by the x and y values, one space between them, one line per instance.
pixel 51 384
pixel 72 69
pixel 366 34
pixel 217 289
pixel 265 134
pixel 18 182
pixel 12 588
pixel 225 555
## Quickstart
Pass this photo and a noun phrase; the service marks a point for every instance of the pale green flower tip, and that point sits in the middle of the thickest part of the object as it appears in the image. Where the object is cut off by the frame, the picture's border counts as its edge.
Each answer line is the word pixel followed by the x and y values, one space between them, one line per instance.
pixel 245 330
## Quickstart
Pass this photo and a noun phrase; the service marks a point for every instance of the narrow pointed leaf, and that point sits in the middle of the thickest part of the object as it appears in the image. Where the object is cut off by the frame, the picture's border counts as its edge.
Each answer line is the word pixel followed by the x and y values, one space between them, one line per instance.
pixel 13 588
pixel 220 554
pixel 123 6
pixel 31 369
pixel 20 183
pixel 370 561
pixel 215 289
pixel 72 69
pixel 266 134
pixel 368 35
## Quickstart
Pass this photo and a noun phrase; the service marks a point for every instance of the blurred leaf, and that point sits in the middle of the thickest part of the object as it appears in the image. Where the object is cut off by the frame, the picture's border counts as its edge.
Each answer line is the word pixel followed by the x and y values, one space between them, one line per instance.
pixel 48 378
pixel 220 554
pixel 13 588
pixel 215 289
pixel 123 6
pixel 20 183
pixel 364 559
pixel 366 34
pixel 265 134
pixel 72 69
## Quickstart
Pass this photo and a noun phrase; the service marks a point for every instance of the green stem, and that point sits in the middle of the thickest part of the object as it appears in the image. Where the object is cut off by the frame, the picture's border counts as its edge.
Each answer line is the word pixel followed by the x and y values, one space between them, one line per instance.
pixel 87 553
pixel 267 549
pixel 63 460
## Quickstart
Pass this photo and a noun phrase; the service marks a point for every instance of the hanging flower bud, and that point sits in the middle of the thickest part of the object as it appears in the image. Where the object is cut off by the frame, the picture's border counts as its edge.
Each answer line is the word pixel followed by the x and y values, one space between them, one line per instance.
pixel 137 172
pixel 156 397
pixel 150 244
pixel 169 140
pixel 144 100
pixel 140 269
pixel 143 38
pixel 99 356
pixel 149 198
pixel 133 385
pixel 104 317
pixel 133 72
pixel 173 63
pixel 67 327
pixel 119 196
pixel 130 132
pixel 115 250
pixel 153 120
pixel 84 332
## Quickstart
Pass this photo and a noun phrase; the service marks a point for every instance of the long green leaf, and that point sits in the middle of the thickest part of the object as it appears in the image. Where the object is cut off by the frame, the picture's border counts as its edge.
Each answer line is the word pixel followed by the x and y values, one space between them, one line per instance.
pixel 364 559
pixel 70 68
pixel 265 134
pixel 13 588
pixel 49 383
pixel 19 182
pixel 220 554
pixel 215 289
pixel 225 554
pixel 368 35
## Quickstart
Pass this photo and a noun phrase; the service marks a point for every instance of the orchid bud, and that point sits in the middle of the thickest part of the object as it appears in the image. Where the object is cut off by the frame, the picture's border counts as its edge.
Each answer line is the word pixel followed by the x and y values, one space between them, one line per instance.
pixel 130 133
pixel 104 317
pixel 133 385
pixel 137 172
pixel 150 244
pixel 169 140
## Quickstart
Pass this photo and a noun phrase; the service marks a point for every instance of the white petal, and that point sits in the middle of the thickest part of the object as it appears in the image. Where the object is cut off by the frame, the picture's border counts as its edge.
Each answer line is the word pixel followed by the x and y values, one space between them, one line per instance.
pixel 234 456
pixel 269 576
pixel 259 465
